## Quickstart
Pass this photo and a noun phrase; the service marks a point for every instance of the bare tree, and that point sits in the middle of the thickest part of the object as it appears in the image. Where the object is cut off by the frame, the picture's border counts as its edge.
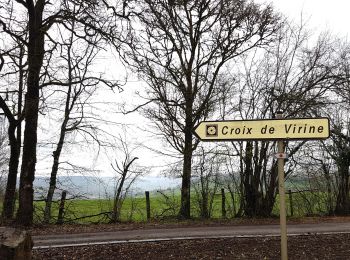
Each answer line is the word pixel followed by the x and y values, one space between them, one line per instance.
pixel 291 77
pixel 127 172
pixel 14 70
pixel 4 158
pixel 317 172
pixel 179 49
pixel 338 148
pixel 334 160
pixel 78 85
pixel 124 172
pixel 97 17
pixel 206 179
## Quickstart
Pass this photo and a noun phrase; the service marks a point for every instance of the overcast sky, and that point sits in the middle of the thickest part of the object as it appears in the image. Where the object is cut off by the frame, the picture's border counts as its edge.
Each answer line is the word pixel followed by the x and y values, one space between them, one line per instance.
pixel 321 14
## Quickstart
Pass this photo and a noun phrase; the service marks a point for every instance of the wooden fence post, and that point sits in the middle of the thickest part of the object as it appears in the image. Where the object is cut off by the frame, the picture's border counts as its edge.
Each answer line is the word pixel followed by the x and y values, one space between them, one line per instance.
pixel 290 202
pixel 61 208
pixel 148 205
pixel 223 201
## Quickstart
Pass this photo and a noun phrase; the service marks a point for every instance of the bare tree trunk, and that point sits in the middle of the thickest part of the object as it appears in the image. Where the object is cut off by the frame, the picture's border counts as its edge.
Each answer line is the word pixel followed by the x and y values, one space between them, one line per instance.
pixel 260 191
pixel 185 209
pixel 343 202
pixel 9 200
pixel 71 98
pixel 117 202
pixel 329 189
pixel 57 153
pixel 249 190
pixel 53 176
pixel 15 147
pixel 205 201
pixel 271 191
pixel 61 209
pixel 35 60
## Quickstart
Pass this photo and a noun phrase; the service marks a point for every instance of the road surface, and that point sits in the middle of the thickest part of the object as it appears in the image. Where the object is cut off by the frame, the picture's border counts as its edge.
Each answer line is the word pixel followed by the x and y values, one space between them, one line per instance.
pixel 146 235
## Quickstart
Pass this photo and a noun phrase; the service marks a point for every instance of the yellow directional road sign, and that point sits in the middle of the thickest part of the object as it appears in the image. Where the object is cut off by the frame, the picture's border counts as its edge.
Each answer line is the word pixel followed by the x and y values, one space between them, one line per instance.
pixel 269 129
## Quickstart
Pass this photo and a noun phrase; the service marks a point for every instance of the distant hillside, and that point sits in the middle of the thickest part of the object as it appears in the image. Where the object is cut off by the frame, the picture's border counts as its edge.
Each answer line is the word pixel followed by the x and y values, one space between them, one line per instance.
pixel 92 187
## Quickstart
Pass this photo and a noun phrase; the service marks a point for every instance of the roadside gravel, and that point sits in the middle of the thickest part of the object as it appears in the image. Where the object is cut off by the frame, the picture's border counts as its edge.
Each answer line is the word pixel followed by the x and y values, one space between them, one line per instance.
pixel 299 247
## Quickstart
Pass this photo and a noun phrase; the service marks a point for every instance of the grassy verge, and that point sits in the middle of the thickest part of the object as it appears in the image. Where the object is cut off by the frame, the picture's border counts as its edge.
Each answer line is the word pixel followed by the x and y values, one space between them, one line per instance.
pixel 134 208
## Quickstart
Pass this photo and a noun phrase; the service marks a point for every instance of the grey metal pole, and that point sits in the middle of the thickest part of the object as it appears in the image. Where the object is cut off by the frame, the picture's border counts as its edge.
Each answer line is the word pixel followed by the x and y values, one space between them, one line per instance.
pixel 282 193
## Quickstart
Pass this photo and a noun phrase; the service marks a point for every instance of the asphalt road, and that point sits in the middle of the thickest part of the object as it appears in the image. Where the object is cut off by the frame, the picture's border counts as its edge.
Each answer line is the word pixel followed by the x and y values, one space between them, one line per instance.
pixel 144 235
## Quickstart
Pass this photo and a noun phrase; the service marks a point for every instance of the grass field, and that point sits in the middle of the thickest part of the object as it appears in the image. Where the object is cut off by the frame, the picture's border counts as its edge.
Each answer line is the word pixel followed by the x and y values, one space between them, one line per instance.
pixel 134 209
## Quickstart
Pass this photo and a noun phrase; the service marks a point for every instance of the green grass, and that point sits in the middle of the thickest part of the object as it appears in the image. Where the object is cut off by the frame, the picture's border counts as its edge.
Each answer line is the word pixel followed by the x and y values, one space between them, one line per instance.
pixel 134 208
pixel 304 204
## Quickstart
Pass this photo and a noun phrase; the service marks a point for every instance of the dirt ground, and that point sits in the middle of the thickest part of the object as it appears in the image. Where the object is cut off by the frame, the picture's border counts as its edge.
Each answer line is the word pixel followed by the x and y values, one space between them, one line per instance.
pixel 299 247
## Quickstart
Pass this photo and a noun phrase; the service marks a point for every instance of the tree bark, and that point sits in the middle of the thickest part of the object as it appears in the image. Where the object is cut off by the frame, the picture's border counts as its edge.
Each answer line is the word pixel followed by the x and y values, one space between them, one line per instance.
pixel 117 202
pixel 35 60
pixel 205 201
pixel 53 176
pixel 57 153
pixel 185 209
pixel 249 189
pixel 9 200
pixel 343 203
pixel 15 149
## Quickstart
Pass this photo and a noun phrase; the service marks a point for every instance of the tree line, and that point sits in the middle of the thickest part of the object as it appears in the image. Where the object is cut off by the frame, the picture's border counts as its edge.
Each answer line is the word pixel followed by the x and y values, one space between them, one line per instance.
pixel 200 59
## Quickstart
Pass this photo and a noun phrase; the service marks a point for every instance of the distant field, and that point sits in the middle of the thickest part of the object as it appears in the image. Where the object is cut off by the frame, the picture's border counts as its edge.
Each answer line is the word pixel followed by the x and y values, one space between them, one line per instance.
pixel 134 209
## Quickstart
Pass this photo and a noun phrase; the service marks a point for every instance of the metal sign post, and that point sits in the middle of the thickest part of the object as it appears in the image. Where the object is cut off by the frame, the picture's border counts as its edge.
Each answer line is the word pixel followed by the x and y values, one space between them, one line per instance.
pixel 282 193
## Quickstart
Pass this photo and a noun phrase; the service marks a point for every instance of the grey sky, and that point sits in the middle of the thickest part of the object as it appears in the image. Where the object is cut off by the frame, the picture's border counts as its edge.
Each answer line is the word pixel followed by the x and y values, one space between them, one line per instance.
pixel 320 14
